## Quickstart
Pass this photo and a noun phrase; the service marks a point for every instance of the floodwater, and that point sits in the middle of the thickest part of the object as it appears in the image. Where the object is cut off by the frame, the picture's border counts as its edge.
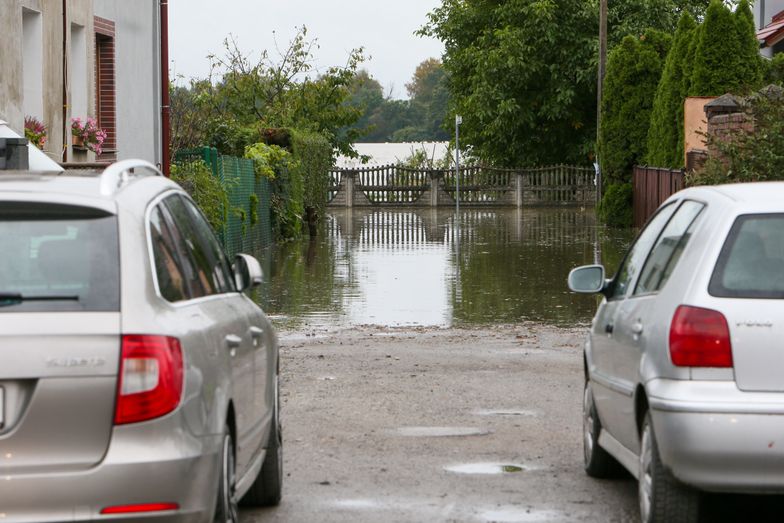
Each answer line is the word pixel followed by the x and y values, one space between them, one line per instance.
pixel 424 267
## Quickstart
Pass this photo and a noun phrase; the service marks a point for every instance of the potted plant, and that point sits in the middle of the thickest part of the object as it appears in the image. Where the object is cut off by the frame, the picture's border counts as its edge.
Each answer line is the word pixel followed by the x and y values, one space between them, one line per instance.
pixel 87 134
pixel 35 131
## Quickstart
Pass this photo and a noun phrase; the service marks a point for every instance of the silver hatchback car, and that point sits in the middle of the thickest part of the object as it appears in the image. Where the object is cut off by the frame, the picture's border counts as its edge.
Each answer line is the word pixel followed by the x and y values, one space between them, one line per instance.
pixel 137 380
pixel 684 362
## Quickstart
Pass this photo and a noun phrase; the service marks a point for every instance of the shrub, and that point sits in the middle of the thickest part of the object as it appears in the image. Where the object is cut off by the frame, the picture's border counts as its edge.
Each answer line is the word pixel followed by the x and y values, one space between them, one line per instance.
pixel 285 176
pixel 313 155
pixel 205 189
pixel 615 208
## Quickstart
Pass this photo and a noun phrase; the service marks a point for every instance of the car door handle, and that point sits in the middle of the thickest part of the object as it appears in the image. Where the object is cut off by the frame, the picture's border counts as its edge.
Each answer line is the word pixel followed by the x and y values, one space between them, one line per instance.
pixel 637 328
pixel 256 333
pixel 233 341
pixel 609 328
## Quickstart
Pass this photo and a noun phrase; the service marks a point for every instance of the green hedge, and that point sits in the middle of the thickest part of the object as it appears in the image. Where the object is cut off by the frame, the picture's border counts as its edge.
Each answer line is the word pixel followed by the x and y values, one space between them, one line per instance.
pixel 313 156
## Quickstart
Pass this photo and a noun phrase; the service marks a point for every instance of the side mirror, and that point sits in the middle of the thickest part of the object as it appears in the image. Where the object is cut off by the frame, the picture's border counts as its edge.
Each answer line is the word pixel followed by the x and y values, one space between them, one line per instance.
pixel 247 272
pixel 588 279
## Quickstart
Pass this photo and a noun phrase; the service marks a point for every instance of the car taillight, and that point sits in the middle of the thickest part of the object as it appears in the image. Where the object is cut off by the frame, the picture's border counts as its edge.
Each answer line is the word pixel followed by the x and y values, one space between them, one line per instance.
pixel 700 338
pixel 150 380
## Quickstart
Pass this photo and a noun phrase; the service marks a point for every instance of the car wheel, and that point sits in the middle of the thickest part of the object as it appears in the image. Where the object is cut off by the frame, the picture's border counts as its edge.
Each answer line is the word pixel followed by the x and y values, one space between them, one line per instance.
pixel 598 462
pixel 662 499
pixel 226 510
pixel 267 489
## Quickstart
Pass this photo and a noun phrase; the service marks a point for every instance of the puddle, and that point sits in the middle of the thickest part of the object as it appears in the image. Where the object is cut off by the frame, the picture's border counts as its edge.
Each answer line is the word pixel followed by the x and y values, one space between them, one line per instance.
pixel 507 412
pixel 358 504
pixel 441 432
pixel 487 468
pixel 516 514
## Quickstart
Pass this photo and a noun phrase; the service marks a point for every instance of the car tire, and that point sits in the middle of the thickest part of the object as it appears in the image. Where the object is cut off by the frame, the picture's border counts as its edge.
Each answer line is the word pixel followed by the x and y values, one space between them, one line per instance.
pixel 266 490
pixel 226 508
pixel 598 462
pixel 662 498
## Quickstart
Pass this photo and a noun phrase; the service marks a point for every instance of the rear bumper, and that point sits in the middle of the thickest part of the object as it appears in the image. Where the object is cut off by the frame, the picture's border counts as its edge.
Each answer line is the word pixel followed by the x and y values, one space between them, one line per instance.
pixel 721 439
pixel 182 470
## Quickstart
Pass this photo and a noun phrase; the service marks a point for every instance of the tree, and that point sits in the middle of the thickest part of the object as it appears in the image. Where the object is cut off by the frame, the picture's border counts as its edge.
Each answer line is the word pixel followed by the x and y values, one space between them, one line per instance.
pixel 718 67
pixel 429 101
pixel 634 17
pixel 750 66
pixel 522 75
pixel 242 96
pixel 666 134
pixel 633 72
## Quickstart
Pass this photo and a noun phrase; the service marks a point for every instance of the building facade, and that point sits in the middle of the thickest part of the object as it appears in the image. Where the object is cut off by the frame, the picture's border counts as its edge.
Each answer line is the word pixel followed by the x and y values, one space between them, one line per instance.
pixel 65 59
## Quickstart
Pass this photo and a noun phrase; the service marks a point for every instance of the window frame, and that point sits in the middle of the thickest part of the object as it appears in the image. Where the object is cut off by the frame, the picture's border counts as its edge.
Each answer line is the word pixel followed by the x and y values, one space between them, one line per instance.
pixel 690 227
pixel 633 281
pixel 151 255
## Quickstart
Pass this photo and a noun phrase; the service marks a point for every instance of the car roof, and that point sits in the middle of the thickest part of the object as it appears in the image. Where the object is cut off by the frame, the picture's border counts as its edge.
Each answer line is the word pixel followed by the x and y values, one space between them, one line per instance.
pixel 762 192
pixel 82 187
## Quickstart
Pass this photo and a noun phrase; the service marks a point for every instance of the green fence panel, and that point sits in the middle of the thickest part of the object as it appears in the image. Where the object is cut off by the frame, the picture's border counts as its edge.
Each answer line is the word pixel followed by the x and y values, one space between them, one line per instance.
pixel 248 227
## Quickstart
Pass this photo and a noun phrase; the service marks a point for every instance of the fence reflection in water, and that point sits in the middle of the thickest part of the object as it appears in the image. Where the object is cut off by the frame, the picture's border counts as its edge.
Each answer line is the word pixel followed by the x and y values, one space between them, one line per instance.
pixel 403 267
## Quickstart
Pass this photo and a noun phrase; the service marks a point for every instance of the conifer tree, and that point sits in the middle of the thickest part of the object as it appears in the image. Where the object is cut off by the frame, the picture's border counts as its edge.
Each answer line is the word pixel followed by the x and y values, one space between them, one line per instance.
pixel 750 66
pixel 717 59
pixel 665 135
pixel 633 71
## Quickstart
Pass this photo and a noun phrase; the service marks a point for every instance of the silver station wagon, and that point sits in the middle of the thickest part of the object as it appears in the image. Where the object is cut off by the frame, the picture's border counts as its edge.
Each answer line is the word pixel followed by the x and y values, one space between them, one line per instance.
pixel 137 380
pixel 684 362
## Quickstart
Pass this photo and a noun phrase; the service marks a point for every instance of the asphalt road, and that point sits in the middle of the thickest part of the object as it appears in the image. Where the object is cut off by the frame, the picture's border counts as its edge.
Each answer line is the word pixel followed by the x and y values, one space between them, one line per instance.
pixel 387 425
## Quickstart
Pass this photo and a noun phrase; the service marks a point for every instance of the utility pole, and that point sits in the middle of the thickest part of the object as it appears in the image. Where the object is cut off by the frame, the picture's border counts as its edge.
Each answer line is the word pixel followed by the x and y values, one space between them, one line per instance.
pixel 600 89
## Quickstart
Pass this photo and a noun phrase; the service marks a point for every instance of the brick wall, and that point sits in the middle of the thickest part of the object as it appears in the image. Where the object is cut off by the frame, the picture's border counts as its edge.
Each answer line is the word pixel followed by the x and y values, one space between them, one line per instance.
pixel 105 88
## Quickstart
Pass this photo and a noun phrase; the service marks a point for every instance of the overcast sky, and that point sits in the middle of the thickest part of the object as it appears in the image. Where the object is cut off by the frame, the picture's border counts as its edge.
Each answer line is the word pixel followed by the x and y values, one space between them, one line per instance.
pixel 384 28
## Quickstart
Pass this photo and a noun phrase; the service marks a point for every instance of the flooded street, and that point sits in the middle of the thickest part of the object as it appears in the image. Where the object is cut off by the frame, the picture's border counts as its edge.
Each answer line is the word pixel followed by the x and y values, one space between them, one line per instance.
pixel 431 368
pixel 426 379
pixel 422 267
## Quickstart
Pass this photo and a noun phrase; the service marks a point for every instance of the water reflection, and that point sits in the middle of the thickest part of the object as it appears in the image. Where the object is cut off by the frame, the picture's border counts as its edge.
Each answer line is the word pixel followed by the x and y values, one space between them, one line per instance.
pixel 407 267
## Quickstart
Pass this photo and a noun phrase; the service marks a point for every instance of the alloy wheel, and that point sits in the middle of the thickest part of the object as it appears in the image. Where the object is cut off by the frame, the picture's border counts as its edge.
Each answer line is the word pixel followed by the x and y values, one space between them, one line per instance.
pixel 646 474
pixel 589 424
pixel 228 501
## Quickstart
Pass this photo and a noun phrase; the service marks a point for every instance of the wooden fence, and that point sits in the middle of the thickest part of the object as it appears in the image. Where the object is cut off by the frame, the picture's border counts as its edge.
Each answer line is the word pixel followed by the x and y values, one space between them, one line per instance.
pixel 653 185
pixel 479 185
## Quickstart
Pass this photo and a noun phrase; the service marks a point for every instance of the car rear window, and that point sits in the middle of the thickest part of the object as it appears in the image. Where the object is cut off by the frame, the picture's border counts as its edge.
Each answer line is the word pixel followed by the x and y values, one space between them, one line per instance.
pixel 58 258
pixel 751 263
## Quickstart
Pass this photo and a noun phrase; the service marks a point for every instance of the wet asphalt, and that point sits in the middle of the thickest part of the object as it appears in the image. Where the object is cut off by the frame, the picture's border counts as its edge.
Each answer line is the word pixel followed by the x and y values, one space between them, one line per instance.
pixel 446 425
pixel 430 425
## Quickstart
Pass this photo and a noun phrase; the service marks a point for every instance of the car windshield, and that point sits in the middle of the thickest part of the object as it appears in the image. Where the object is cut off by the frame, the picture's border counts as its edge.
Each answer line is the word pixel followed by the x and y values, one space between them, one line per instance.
pixel 751 264
pixel 58 258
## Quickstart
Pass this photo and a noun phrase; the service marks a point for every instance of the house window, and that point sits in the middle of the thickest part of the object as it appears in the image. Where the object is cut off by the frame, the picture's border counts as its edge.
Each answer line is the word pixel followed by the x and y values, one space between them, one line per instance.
pixel 105 87
pixel 32 64
pixel 78 72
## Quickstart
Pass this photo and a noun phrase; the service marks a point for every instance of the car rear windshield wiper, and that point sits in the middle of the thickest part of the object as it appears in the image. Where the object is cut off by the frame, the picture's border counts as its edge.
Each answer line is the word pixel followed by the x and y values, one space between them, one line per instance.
pixel 7 298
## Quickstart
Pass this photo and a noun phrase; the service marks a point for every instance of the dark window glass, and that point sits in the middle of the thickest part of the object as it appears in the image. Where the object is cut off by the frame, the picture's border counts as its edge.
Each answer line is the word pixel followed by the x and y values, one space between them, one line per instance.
pixel 668 248
pixel 639 252
pixel 208 261
pixel 168 264
pixel 751 263
pixel 221 271
pixel 58 258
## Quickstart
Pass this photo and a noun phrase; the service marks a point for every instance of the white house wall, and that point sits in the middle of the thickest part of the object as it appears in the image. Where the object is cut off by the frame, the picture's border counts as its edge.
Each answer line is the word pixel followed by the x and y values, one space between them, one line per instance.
pixel 137 76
